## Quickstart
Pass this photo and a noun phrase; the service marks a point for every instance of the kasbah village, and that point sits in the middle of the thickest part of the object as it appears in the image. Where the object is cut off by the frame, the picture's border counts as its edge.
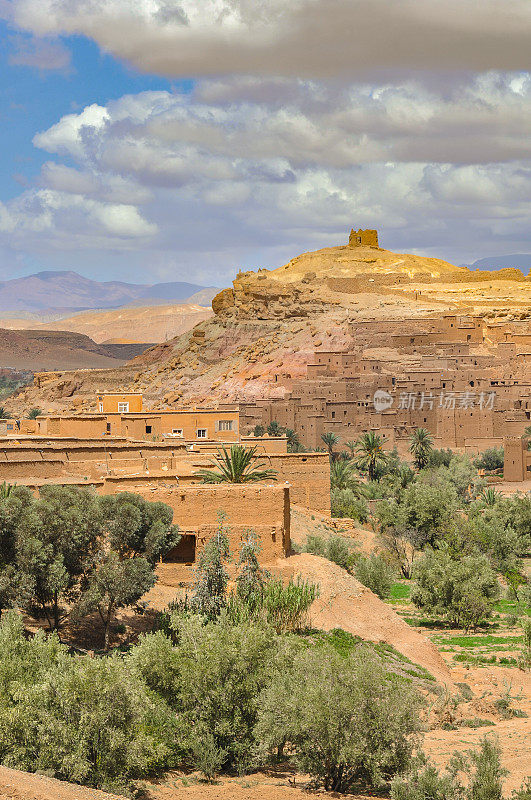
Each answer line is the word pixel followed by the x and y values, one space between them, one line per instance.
pixel 325 372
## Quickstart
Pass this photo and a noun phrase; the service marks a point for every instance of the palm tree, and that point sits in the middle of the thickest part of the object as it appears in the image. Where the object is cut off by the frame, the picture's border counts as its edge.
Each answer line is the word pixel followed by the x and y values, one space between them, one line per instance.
pixel 274 429
pixel 3 414
pixel 330 440
pixel 34 413
pixel 351 447
pixel 421 445
pixel 294 445
pixel 342 476
pixel 370 453
pixel 239 465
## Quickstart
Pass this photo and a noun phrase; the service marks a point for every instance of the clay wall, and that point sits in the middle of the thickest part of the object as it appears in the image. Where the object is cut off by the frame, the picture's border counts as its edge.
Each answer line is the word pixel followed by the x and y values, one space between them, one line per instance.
pixel 187 425
pixel 517 459
pixel 196 509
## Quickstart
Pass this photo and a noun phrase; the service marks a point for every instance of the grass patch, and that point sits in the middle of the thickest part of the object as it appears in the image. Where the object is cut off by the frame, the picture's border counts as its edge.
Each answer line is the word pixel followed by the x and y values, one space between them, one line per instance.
pixel 476 722
pixel 344 643
pixel 400 591
pixel 481 641
pixel 512 607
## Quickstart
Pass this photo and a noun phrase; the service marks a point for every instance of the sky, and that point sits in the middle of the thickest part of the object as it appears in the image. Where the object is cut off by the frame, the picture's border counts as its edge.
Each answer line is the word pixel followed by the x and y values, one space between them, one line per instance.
pixel 159 140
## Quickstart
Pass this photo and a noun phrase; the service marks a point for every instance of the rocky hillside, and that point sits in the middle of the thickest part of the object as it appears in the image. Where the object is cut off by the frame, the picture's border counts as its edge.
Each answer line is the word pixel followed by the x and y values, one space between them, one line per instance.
pixel 267 325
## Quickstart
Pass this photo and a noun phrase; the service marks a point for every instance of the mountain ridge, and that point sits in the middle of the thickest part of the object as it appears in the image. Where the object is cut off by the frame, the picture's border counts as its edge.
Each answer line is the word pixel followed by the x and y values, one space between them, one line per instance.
pixel 66 291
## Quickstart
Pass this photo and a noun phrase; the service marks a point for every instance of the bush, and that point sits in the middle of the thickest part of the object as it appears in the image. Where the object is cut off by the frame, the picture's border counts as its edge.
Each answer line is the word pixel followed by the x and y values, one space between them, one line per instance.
pixel 286 606
pixel 346 503
pixel 426 784
pixel 375 573
pixel 482 768
pixel 346 720
pixel 213 679
pixel 490 459
pixel 335 549
pixel 90 721
pixel 458 589
pixel 461 474
pixel 439 458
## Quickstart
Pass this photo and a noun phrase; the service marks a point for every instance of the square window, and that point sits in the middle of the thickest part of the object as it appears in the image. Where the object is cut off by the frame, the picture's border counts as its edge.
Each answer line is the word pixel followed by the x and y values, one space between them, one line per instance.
pixel 123 408
pixel 202 433
pixel 177 431
pixel 225 425
pixel 148 428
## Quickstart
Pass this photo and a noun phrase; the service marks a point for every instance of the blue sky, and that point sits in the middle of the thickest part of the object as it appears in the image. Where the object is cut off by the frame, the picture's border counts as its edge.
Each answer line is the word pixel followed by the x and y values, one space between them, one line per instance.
pixel 33 99
pixel 156 140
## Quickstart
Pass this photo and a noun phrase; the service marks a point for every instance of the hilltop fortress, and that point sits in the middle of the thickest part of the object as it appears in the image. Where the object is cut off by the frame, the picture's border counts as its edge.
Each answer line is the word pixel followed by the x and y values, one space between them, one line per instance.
pixel 359 238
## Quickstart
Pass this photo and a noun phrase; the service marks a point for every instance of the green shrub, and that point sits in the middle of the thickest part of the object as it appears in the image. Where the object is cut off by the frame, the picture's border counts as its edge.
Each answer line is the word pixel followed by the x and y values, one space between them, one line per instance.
pixel 460 590
pixel 286 605
pixel 490 459
pixel 426 784
pixel 524 792
pixel 347 721
pixel 335 549
pixel 375 573
pixel 439 458
pixel 90 721
pixel 484 778
pixel 212 679
pixel 347 503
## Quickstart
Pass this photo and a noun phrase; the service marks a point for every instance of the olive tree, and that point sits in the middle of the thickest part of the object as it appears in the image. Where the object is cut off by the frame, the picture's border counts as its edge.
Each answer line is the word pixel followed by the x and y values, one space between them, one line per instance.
pixel 347 721
pixel 459 589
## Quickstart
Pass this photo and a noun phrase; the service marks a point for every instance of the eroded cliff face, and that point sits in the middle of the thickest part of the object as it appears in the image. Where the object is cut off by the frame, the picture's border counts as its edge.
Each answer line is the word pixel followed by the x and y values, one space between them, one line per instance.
pixel 266 327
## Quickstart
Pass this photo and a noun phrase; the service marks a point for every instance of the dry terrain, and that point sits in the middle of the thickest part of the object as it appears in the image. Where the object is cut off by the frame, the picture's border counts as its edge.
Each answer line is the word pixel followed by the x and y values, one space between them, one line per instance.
pixel 267 326
pixel 145 323
pixel 36 350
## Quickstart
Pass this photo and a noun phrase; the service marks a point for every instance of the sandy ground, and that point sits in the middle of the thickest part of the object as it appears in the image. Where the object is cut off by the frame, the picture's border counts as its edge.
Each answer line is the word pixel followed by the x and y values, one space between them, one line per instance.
pixel 514 735
pixel 15 785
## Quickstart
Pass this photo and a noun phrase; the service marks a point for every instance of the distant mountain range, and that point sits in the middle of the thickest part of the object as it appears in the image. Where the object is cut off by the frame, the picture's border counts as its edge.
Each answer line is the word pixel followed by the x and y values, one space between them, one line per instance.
pixel 517 260
pixel 66 291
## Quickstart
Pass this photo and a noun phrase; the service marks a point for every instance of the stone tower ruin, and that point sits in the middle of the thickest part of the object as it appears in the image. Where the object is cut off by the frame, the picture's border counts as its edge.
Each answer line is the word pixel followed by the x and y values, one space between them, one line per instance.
pixel 367 238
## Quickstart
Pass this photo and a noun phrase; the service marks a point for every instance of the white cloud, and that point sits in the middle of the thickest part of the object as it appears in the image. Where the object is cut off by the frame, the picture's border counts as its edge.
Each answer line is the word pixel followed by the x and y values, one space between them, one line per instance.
pixel 247 173
pixel 62 220
pixel 312 38
pixel 69 135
